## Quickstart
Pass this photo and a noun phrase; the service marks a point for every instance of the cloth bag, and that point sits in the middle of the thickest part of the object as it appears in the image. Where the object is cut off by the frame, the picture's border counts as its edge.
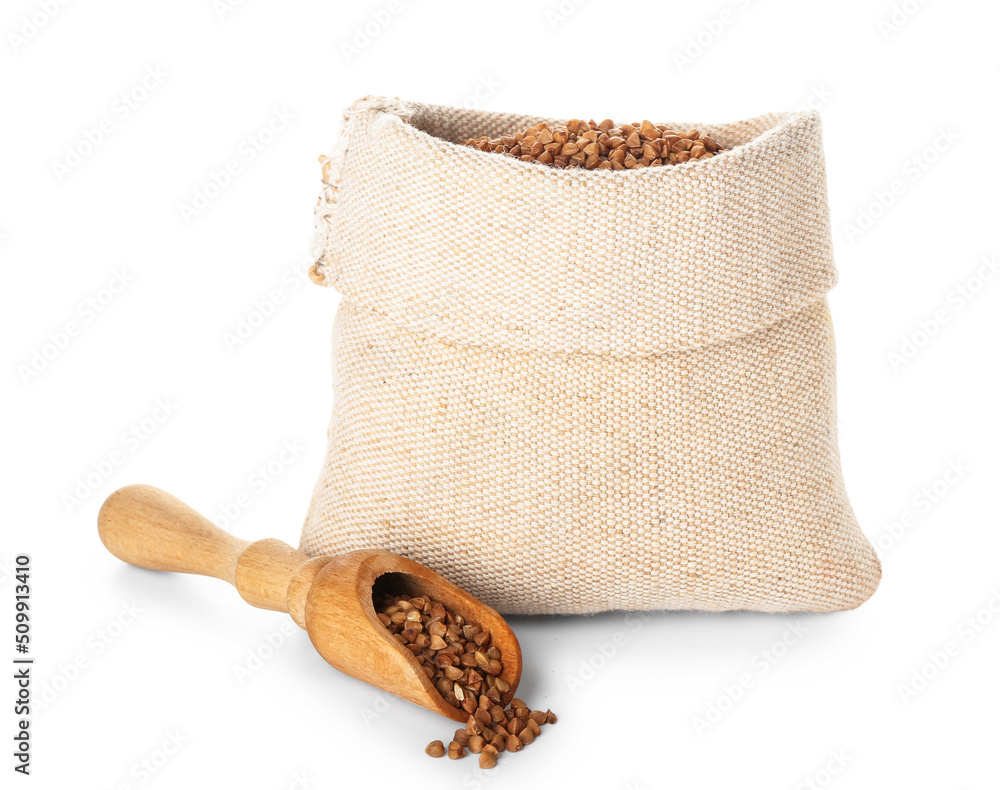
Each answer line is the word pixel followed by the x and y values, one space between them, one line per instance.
pixel 571 391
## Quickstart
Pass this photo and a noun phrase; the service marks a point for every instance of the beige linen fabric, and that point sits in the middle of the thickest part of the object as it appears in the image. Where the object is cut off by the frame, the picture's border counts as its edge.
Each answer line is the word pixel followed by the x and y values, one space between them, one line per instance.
pixel 573 391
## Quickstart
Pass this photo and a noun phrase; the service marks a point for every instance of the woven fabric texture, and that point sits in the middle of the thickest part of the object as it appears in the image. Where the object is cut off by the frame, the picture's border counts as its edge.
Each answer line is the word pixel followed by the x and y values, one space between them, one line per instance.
pixel 571 391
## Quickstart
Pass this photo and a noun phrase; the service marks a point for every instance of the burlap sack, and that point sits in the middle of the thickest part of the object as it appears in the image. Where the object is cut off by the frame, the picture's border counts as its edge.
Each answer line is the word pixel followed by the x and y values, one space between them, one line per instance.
pixel 573 391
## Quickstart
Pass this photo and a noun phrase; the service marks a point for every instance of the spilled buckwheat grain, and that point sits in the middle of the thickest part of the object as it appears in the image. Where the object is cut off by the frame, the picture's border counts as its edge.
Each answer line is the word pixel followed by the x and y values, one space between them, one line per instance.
pixel 602 146
pixel 458 659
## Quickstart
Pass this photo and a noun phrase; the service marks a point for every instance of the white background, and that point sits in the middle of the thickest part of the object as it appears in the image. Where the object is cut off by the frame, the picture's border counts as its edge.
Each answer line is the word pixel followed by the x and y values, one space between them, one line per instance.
pixel 888 95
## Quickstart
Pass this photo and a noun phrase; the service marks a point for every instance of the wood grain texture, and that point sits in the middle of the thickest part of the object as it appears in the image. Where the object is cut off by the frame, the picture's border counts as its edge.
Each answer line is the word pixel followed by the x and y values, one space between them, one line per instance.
pixel 344 629
pixel 331 597
pixel 148 527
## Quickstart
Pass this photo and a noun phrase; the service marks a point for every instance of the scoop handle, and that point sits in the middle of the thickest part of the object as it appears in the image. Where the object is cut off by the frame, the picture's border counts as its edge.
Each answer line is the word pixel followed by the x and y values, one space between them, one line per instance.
pixel 145 526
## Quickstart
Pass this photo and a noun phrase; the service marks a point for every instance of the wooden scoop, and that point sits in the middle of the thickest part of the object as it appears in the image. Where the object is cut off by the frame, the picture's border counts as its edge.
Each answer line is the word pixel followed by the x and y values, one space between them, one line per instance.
pixel 331 597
